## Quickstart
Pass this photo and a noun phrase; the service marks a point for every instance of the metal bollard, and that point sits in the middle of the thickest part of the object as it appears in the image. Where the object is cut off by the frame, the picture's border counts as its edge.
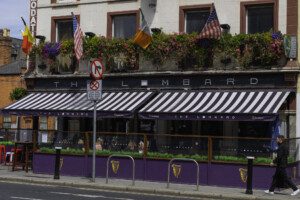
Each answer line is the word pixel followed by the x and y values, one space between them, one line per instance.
pixel 57 163
pixel 249 175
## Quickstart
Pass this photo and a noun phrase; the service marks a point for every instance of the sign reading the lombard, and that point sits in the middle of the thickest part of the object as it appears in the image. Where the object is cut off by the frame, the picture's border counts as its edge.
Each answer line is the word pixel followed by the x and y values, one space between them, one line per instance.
pixel 33 16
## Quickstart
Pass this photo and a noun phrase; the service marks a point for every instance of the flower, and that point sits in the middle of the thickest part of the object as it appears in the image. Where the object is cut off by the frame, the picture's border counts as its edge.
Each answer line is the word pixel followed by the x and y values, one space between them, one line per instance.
pixel 51 50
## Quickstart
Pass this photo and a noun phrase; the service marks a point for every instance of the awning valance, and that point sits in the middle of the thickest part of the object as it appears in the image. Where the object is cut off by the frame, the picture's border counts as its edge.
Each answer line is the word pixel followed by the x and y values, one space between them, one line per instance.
pixel 113 104
pixel 214 105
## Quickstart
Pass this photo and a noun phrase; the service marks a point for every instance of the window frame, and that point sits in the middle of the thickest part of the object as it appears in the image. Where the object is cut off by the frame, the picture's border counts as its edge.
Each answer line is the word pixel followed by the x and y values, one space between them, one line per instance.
pixel 55 19
pixel 7 122
pixel 184 9
pixel 243 13
pixel 44 122
pixel 110 16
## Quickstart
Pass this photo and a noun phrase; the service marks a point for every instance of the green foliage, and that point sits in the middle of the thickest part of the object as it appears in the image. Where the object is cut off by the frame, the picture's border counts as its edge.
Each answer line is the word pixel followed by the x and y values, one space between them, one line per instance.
pixel 18 93
pixel 251 50
pixel 258 49
pixel 67 47
pixel 6 143
pixel 168 156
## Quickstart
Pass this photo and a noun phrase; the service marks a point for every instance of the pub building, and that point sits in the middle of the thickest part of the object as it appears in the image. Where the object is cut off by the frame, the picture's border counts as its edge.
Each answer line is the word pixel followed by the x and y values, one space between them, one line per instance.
pixel 199 103
pixel 239 103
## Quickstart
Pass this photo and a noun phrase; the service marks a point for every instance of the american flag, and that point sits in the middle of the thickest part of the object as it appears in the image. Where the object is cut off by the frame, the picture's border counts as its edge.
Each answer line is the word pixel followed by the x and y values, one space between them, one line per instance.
pixel 212 27
pixel 77 38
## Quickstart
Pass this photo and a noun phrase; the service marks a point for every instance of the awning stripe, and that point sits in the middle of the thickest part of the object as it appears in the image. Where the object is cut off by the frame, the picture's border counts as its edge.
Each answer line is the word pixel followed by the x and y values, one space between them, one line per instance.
pixel 218 102
pixel 281 100
pixel 119 103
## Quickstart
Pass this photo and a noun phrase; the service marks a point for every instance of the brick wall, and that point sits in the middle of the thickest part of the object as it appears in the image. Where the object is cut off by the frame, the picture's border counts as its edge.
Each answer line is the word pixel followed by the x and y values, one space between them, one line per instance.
pixel 5 50
pixel 8 83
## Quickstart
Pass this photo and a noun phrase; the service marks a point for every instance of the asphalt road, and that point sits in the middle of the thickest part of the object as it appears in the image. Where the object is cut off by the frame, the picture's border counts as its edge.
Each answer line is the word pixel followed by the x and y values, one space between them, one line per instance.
pixel 23 191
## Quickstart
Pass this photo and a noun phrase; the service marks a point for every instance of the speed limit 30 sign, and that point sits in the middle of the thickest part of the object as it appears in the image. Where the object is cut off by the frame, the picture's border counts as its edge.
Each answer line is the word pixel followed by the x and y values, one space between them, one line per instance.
pixel 97 69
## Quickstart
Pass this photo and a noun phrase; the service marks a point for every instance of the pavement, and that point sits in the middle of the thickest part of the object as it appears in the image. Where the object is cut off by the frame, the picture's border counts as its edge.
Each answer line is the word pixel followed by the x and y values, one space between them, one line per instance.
pixel 143 187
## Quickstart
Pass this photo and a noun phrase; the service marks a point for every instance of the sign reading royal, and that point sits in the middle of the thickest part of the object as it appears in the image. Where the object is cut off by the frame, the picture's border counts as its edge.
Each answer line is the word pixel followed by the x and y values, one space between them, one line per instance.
pixel 33 16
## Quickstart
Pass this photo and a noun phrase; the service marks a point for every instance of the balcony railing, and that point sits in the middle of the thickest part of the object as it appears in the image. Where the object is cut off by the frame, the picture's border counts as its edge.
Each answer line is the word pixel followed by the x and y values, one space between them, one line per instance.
pixel 173 52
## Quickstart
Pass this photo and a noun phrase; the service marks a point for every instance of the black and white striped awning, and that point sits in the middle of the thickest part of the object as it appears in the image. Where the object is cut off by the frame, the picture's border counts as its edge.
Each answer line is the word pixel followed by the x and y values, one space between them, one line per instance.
pixel 113 104
pixel 215 105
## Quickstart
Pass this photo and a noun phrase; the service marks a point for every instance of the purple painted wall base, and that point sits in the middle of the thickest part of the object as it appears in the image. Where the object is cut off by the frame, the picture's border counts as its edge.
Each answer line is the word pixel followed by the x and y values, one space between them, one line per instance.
pixel 218 174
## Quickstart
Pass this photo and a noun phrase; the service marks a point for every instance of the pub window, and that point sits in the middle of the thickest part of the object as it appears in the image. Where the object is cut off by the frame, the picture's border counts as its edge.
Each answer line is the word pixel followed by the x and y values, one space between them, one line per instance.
pixel 43 123
pixel 124 26
pixel 6 122
pixel 64 30
pixel 260 18
pixel 192 18
pixel 195 20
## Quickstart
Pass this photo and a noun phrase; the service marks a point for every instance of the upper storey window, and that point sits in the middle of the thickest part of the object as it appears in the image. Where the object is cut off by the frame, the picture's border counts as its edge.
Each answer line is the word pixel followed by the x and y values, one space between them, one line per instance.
pixel 193 18
pixel 122 24
pixel 259 16
pixel 62 28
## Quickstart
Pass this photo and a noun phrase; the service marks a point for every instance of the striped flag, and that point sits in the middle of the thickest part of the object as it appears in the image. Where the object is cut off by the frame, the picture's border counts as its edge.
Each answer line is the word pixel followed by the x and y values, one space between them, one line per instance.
pixel 212 29
pixel 28 39
pixel 143 36
pixel 78 34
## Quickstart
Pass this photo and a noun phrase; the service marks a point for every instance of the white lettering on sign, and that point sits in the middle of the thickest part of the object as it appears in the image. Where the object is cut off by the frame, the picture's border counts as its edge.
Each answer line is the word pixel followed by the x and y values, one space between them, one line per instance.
pixel 123 84
pixel 207 82
pixel 253 81
pixel 56 84
pixel 164 82
pixel 74 84
pixel 33 16
pixel 186 82
pixel 230 80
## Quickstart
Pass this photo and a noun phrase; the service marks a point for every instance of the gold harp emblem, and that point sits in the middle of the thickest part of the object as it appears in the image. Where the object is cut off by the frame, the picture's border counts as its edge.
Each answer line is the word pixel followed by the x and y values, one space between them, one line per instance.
pixel 243 174
pixel 61 163
pixel 115 166
pixel 176 170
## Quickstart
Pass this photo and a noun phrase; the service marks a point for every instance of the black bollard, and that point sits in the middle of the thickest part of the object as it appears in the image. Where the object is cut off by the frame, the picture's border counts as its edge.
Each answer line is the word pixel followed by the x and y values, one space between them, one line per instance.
pixel 249 175
pixel 57 163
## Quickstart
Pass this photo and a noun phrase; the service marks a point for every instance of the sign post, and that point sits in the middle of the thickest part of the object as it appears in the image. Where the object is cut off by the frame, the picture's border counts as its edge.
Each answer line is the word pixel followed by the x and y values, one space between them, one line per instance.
pixel 94 93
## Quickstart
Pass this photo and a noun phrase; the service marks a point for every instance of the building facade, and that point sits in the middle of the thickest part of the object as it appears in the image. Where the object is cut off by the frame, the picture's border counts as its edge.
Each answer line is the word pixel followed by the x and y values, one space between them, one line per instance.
pixel 220 102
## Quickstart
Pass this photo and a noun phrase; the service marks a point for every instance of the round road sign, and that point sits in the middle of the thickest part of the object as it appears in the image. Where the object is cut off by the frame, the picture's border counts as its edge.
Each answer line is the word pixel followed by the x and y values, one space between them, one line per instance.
pixel 97 69
pixel 94 85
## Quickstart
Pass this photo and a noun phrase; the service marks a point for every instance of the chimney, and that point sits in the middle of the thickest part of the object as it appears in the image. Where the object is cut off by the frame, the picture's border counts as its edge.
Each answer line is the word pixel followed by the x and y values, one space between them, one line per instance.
pixel 5 46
